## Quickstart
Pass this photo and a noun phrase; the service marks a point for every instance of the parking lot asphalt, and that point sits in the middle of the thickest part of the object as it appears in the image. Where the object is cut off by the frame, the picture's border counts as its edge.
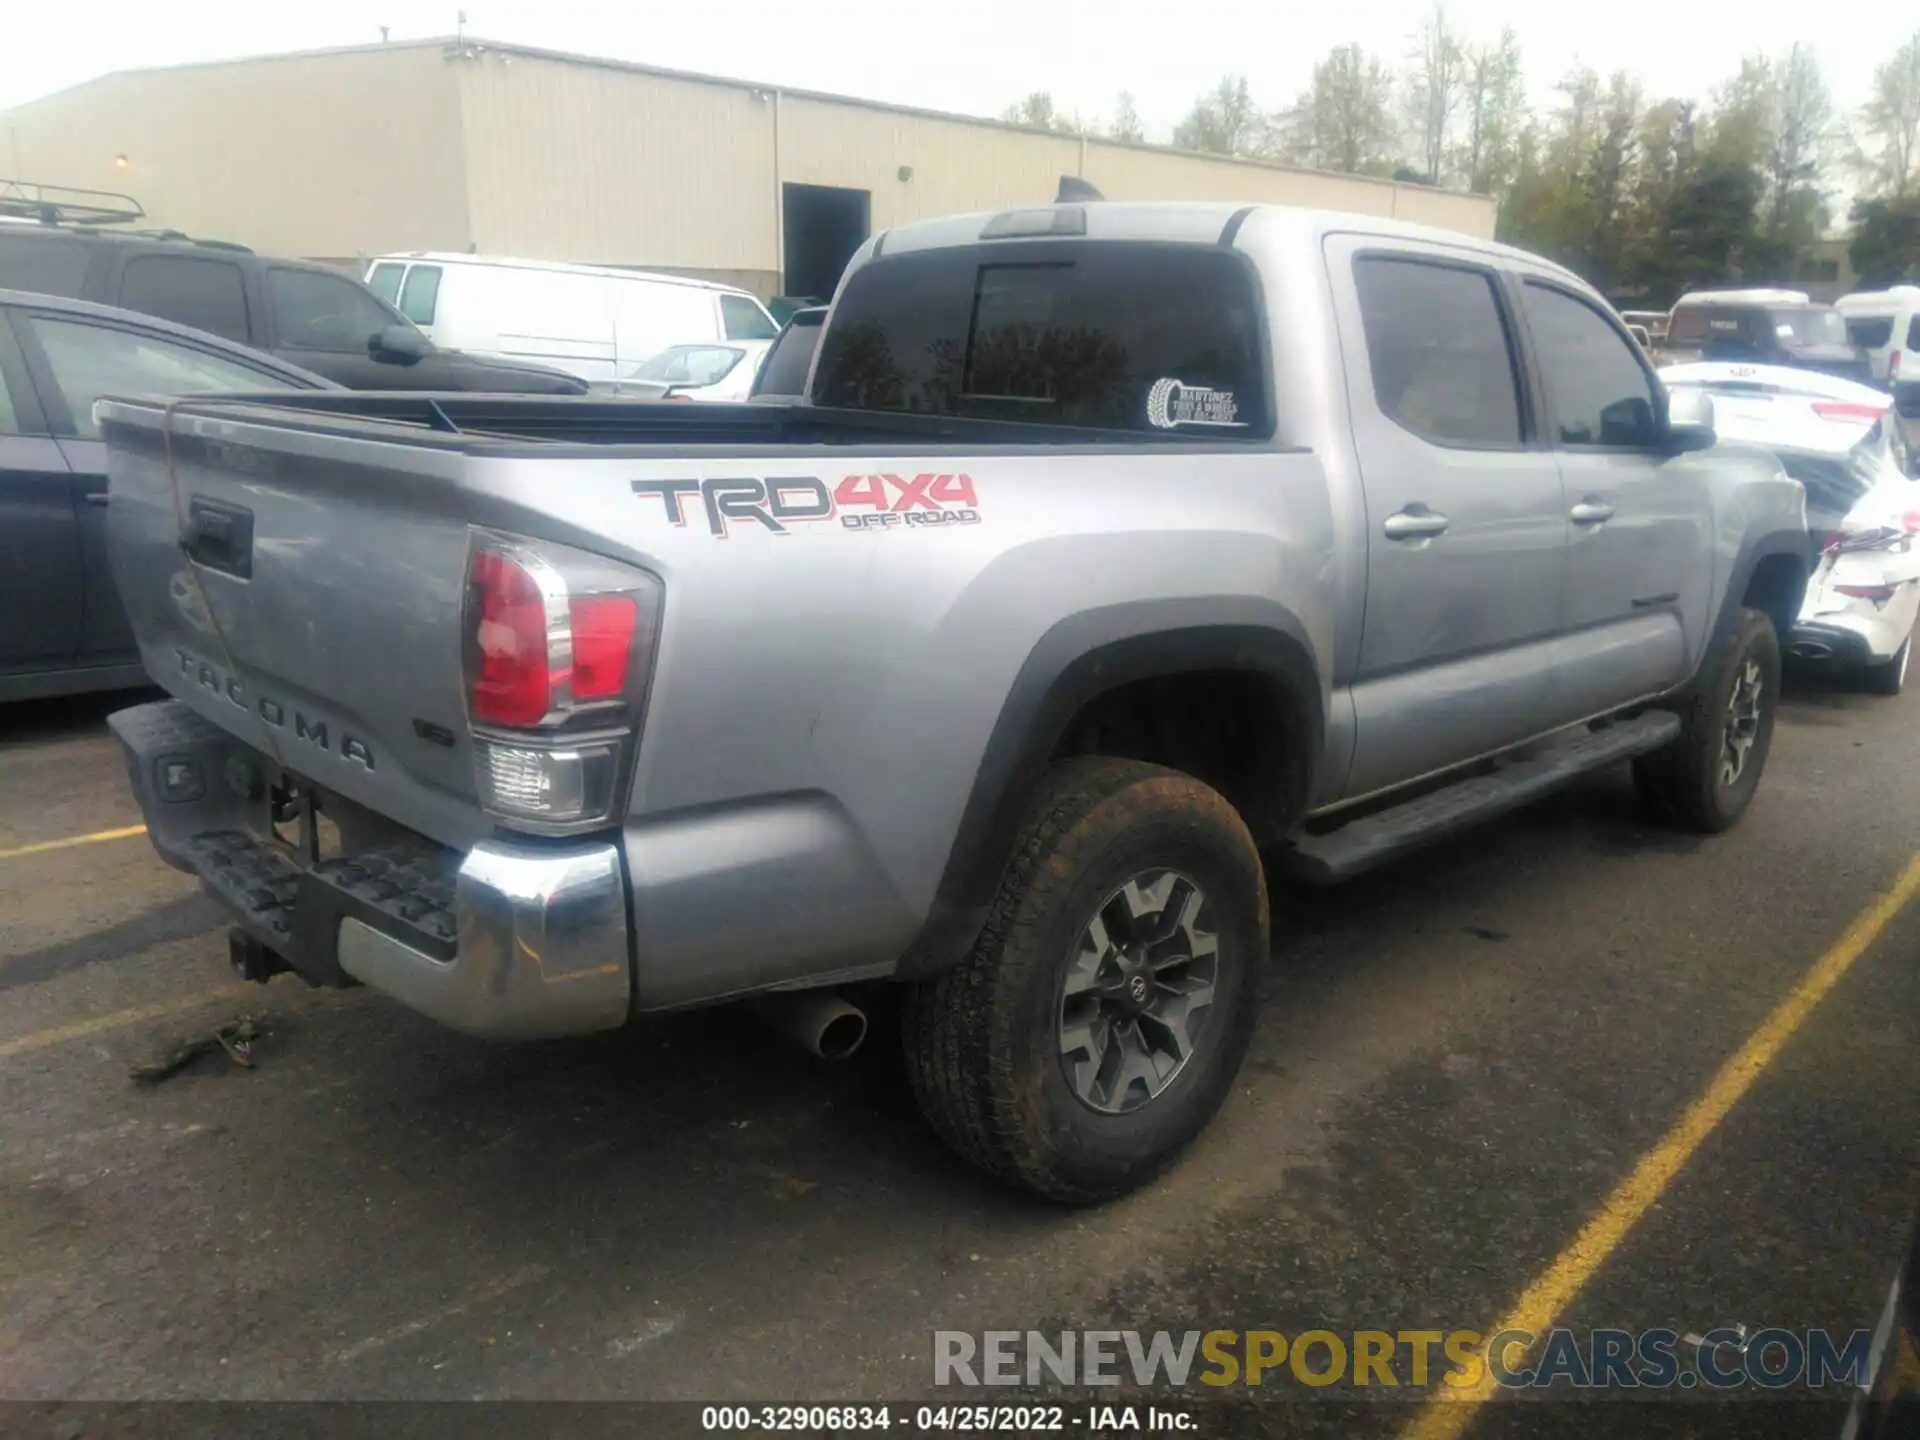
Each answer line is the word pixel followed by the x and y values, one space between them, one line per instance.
pixel 1458 1061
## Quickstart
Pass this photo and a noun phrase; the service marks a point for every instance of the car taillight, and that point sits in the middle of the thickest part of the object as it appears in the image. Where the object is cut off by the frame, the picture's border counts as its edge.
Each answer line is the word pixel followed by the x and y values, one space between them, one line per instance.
pixel 1847 410
pixel 1893 366
pixel 559 644
pixel 1879 594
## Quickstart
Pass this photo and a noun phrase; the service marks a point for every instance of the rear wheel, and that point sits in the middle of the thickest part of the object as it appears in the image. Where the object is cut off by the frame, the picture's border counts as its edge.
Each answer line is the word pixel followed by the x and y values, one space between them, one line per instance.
pixel 1705 780
pixel 1890 678
pixel 1100 1020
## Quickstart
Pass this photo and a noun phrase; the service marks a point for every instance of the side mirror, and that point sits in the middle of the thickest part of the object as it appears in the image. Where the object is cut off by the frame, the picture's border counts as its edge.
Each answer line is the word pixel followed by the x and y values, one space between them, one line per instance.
pixel 399 345
pixel 1689 422
pixel 1906 399
pixel 1639 333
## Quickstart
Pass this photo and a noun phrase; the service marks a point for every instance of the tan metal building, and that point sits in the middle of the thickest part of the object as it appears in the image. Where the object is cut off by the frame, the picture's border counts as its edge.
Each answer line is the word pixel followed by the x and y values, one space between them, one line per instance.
pixel 466 145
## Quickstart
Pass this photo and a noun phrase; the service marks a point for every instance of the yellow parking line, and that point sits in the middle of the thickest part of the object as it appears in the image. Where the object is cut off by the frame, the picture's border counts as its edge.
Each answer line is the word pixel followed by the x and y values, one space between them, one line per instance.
pixel 96 838
pixel 113 1020
pixel 1449 1411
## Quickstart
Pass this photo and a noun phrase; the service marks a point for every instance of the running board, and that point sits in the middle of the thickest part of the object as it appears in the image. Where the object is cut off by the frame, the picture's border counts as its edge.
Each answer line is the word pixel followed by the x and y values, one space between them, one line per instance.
pixel 1374 839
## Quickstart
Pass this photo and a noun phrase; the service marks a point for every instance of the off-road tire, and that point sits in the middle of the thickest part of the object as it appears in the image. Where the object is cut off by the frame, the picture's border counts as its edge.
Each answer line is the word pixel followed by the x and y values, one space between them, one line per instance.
pixel 982 1040
pixel 1681 783
pixel 1890 677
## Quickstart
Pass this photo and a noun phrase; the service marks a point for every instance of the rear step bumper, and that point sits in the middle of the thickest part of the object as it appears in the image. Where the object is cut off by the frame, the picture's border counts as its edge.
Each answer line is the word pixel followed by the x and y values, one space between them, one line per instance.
pixel 509 941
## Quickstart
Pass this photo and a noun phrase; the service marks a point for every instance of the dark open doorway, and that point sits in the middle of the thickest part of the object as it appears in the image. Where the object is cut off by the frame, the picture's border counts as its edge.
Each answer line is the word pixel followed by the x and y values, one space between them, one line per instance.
pixel 825 224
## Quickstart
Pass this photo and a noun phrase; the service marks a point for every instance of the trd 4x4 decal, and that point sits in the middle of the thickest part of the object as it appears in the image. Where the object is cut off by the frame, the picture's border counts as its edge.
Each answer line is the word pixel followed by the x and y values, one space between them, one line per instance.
pixel 859 502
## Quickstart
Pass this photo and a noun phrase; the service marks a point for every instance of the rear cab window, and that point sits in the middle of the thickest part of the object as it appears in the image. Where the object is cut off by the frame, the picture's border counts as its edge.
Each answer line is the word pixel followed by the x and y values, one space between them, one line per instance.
pixel 1131 337
pixel 1870 332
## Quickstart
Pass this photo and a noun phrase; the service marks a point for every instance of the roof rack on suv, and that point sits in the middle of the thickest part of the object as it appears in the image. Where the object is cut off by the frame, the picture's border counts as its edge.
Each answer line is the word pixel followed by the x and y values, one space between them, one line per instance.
pixel 66 204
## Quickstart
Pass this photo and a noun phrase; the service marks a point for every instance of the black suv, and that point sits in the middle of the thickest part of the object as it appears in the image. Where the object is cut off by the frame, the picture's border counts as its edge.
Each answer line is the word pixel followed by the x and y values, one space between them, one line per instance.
pixel 1764 332
pixel 306 314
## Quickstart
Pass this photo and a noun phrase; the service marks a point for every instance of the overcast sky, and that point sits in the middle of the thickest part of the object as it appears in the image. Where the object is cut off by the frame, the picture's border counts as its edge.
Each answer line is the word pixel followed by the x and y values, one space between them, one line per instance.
pixel 978 56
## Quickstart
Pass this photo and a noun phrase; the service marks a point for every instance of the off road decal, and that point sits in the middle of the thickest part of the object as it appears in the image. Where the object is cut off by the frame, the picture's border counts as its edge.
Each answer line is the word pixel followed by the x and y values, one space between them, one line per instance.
pixel 776 503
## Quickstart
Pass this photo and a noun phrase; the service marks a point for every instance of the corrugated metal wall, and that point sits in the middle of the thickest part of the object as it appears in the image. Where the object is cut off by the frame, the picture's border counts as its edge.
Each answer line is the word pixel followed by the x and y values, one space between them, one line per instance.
pixel 608 167
pixel 320 154
pixel 436 146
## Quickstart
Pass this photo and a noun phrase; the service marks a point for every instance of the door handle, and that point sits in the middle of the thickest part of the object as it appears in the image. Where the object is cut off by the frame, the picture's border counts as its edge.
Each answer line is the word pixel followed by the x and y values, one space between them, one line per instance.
pixel 1591 512
pixel 98 497
pixel 220 537
pixel 1416 522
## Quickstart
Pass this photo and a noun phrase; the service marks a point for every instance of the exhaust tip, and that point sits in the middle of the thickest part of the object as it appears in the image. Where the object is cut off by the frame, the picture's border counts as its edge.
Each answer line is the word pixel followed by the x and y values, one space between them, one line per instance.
pixel 1810 650
pixel 818 1021
pixel 843 1035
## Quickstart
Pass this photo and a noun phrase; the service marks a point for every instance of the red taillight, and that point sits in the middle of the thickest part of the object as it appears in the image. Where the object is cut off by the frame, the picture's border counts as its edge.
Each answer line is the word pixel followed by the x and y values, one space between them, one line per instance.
pixel 1876 593
pixel 603 627
pixel 1847 410
pixel 1893 366
pixel 513 685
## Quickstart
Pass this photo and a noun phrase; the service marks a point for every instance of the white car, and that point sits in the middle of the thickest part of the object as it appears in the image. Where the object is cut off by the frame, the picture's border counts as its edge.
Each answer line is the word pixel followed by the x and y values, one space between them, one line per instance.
pixel 696 372
pixel 1863 511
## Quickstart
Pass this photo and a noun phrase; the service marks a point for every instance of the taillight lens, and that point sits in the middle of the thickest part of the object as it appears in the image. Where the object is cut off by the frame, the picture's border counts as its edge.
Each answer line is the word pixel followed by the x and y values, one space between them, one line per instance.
pixel 1848 411
pixel 1879 594
pixel 515 682
pixel 559 643
pixel 1893 366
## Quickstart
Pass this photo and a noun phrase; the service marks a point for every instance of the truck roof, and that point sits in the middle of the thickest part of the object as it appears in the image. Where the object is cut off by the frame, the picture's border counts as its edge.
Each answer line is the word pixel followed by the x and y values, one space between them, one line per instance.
pixel 1177 222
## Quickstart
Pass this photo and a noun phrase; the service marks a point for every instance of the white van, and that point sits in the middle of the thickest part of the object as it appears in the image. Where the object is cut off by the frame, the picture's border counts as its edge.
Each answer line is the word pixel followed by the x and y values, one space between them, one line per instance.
pixel 602 324
pixel 1886 324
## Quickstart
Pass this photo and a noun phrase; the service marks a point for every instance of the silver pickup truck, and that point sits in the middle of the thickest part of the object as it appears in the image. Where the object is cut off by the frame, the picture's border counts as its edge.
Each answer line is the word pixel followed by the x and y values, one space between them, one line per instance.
pixel 1123 555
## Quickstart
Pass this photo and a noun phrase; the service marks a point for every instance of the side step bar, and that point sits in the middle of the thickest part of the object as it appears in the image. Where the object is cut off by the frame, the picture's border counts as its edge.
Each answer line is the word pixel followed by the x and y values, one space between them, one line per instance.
pixel 1374 839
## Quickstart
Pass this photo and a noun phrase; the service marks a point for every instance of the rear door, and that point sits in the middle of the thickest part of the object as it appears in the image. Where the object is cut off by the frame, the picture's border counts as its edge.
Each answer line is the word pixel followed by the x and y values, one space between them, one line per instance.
pixel 39 532
pixel 75 360
pixel 1640 521
pixel 1466 527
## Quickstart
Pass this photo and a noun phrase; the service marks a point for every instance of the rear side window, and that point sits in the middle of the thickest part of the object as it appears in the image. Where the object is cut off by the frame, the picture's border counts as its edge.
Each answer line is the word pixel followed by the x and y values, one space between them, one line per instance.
pixel 1870 332
pixel 205 294
pixel 1600 392
pixel 745 320
pixel 45 264
pixel 1438 348
pixel 1913 333
pixel 384 281
pixel 420 294
pixel 1125 337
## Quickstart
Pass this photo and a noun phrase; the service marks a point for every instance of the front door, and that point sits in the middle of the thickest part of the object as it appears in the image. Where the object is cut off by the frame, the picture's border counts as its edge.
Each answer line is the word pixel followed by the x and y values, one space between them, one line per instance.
pixel 1466 524
pixel 39 535
pixel 1640 521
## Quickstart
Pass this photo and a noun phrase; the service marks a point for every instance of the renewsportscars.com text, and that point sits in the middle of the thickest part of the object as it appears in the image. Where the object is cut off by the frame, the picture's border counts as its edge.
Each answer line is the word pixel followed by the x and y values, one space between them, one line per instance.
pixel 1514 1359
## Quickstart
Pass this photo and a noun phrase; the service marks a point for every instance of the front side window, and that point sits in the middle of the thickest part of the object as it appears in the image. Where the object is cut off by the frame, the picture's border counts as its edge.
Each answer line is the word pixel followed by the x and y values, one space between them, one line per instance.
pixel 1437 346
pixel 205 294
pixel 315 311
pixel 420 294
pixel 89 361
pixel 745 320
pixel 384 280
pixel 1117 336
pixel 1599 391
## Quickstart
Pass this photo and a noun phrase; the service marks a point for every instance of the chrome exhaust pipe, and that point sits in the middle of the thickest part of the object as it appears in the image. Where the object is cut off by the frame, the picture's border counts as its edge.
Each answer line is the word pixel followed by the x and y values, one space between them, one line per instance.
pixel 818 1021
pixel 1810 650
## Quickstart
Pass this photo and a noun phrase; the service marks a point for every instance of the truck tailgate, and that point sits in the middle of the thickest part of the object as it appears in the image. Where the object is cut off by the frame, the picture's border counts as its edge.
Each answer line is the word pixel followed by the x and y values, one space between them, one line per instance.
pixel 303 591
